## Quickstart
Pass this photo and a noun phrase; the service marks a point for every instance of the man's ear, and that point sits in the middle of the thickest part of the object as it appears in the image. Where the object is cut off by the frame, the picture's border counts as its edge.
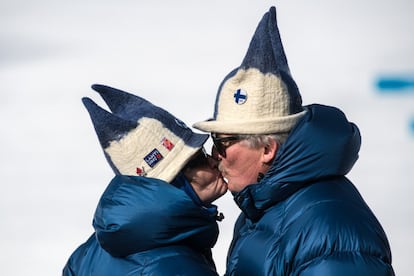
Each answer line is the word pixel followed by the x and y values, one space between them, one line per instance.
pixel 269 151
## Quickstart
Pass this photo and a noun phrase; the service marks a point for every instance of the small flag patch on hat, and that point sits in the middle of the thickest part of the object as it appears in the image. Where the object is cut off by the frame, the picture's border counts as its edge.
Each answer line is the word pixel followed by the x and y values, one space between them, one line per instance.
pixel 167 144
pixel 153 158
pixel 141 171
pixel 240 96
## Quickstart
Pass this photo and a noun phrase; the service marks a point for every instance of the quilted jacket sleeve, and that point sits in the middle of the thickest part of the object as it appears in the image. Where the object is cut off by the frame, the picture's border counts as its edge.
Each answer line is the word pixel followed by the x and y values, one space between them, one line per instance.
pixel 345 264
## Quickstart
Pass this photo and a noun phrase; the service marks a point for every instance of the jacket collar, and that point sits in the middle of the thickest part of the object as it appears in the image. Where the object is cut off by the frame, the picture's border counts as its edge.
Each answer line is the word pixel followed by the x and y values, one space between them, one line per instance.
pixel 323 144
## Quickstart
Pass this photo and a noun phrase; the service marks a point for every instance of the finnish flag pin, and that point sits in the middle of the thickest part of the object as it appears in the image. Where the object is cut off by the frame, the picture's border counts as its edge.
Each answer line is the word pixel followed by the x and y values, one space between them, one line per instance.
pixel 240 96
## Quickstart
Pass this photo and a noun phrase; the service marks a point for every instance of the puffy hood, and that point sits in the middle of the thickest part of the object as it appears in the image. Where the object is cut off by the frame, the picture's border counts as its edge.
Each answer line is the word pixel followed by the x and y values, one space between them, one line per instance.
pixel 136 214
pixel 323 144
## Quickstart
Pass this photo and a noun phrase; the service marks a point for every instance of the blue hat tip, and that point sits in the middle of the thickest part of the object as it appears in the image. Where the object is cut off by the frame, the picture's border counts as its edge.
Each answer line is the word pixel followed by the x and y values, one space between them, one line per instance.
pixel 265 51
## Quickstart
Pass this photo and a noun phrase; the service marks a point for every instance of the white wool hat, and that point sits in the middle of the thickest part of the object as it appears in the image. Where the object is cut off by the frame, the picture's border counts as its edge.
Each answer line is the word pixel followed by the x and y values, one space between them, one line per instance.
pixel 260 96
pixel 139 138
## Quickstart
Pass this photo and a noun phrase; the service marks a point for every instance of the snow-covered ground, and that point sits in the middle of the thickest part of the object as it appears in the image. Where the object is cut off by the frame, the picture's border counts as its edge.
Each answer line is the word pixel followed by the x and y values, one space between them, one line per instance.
pixel 175 54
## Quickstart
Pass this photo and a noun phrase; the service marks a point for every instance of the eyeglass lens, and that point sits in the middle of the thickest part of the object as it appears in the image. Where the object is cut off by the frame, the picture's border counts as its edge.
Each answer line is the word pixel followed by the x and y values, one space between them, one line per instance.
pixel 222 144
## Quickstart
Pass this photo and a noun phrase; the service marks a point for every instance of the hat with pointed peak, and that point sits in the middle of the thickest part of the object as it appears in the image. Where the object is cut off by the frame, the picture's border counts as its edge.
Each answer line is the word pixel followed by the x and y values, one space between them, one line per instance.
pixel 260 96
pixel 139 138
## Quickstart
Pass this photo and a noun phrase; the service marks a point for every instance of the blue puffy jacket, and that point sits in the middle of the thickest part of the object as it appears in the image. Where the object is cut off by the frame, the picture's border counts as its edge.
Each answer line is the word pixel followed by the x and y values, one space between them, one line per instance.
pixel 145 226
pixel 305 217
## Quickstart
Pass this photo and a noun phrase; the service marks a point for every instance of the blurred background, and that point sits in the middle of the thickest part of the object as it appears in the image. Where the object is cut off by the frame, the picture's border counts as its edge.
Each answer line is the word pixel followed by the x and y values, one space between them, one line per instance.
pixel 175 54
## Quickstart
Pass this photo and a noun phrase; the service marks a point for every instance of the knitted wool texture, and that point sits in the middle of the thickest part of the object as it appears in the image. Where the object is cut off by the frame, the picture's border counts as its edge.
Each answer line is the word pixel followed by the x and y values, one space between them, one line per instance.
pixel 260 96
pixel 139 138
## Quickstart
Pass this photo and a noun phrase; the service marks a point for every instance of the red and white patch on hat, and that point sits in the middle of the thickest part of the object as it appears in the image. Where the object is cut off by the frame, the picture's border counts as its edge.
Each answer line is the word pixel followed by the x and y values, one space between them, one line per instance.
pixel 140 171
pixel 167 144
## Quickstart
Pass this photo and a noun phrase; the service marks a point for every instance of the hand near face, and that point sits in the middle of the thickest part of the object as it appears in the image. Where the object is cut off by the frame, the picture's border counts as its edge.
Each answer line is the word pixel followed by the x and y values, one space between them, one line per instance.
pixel 206 180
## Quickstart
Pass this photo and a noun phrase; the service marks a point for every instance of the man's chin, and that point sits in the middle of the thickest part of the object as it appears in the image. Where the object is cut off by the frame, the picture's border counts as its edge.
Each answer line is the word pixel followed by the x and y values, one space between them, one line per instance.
pixel 232 189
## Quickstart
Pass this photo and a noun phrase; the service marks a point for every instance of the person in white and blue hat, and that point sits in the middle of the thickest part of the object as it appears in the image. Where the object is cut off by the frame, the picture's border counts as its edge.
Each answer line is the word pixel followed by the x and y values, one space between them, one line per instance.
pixel 285 164
pixel 156 216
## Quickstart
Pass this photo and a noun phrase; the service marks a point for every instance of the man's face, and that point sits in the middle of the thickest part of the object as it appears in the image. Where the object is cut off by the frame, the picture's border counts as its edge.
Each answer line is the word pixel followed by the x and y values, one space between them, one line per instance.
pixel 238 163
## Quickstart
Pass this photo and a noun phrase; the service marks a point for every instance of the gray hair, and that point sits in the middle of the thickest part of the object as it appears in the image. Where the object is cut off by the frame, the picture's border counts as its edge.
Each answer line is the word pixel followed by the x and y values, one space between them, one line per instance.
pixel 257 140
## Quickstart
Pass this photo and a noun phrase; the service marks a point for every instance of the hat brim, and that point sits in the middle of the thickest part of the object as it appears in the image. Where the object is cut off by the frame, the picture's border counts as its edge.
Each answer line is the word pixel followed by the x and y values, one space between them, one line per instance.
pixel 259 126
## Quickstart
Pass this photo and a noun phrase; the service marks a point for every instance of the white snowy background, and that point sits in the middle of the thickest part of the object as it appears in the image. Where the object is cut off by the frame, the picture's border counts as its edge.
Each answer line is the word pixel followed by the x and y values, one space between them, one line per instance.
pixel 175 54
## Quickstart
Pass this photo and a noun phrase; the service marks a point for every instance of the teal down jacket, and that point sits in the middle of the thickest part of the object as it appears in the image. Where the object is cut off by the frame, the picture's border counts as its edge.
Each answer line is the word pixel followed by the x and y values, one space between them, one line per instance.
pixel 145 226
pixel 305 217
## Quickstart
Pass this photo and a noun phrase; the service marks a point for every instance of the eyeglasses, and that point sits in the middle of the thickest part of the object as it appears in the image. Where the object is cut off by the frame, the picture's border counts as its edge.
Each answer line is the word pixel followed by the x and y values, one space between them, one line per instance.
pixel 199 159
pixel 222 143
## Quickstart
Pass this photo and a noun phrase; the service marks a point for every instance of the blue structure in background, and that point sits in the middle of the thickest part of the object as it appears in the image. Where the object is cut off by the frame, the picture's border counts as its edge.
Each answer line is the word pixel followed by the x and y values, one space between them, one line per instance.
pixel 396 85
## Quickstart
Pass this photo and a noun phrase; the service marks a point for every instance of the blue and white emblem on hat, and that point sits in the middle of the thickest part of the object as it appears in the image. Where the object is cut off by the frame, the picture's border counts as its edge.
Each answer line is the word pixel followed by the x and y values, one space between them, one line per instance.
pixel 240 96
pixel 274 103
